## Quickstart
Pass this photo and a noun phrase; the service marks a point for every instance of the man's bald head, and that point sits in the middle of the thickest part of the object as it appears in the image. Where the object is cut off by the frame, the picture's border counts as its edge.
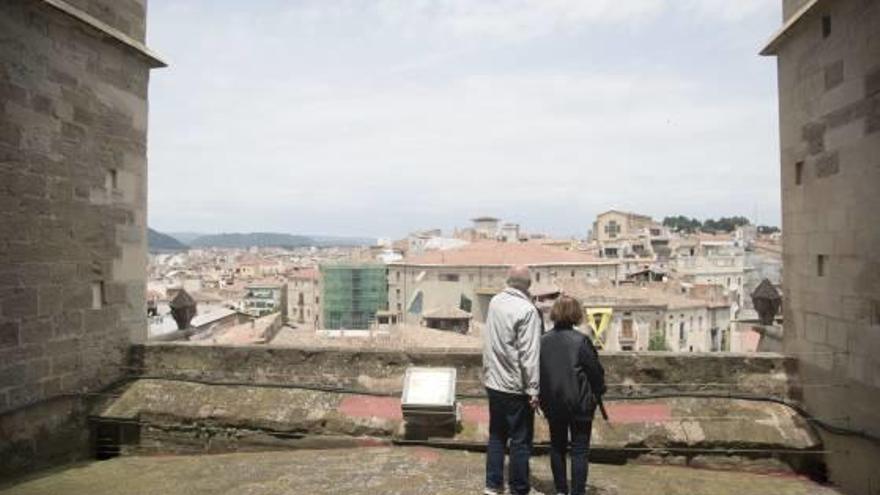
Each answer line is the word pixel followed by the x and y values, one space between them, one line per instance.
pixel 519 278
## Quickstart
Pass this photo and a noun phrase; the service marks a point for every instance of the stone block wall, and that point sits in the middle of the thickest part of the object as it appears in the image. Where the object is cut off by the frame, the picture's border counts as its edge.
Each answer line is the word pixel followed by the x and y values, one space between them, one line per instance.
pixel 829 97
pixel 73 123
pixel 626 373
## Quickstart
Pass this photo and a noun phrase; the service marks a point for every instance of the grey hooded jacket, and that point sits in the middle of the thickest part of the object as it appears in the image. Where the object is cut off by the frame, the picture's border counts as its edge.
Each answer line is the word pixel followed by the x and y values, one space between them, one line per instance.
pixel 512 344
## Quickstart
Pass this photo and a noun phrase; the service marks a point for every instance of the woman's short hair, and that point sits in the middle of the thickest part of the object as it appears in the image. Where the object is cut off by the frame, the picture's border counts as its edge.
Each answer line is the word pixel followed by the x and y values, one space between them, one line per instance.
pixel 566 312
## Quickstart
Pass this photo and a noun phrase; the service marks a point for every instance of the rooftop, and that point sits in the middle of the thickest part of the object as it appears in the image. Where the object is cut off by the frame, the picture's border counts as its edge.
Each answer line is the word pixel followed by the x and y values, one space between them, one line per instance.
pixel 502 254
pixel 377 470
pixel 657 294
pixel 447 313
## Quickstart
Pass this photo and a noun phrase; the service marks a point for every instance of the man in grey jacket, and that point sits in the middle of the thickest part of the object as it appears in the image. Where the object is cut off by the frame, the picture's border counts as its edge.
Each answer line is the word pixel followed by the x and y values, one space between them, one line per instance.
pixel 511 348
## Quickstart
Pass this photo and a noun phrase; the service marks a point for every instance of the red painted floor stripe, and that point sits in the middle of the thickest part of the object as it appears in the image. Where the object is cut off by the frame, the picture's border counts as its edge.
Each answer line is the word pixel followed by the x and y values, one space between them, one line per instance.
pixel 472 413
pixel 361 406
pixel 638 413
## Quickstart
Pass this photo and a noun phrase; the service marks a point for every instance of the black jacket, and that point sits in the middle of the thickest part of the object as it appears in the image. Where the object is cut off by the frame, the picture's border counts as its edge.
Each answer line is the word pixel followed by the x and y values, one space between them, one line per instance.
pixel 571 376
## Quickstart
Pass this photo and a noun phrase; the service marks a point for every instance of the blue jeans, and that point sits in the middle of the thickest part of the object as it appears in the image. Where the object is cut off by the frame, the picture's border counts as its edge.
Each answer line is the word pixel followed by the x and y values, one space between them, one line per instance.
pixel 580 430
pixel 512 418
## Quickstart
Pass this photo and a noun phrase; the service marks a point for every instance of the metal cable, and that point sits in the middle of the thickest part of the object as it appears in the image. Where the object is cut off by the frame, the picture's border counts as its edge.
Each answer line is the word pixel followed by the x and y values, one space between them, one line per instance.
pixel 454 443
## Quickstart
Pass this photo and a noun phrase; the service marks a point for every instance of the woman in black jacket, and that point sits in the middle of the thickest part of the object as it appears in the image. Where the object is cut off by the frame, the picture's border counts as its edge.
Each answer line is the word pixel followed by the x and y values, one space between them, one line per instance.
pixel 572 383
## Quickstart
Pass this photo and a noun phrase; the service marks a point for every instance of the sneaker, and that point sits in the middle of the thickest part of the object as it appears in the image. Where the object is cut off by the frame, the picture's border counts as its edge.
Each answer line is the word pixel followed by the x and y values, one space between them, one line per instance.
pixel 493 491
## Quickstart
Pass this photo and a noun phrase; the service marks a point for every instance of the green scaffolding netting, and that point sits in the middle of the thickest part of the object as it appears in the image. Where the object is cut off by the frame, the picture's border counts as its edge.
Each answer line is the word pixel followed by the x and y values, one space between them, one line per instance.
pixel 352 294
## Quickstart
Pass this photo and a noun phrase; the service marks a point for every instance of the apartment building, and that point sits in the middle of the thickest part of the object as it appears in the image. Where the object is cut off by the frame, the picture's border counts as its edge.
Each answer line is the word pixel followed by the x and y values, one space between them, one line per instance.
pixel 467 277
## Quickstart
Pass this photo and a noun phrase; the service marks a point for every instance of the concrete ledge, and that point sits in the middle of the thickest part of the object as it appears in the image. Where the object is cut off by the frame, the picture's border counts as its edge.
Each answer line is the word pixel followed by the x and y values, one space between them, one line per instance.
pixel 163 416
pixel 381 371
pixel 104 29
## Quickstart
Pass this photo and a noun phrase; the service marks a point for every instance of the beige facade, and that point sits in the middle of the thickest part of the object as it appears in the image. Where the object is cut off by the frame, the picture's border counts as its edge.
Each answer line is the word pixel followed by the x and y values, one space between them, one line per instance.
pixel 828 57
pixel 304 298
pixel 684 323
pixel 415 289
pixel 614 225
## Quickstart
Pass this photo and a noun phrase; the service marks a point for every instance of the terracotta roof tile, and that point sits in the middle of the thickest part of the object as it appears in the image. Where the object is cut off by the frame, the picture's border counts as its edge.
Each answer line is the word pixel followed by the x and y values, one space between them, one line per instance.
pixel 502 253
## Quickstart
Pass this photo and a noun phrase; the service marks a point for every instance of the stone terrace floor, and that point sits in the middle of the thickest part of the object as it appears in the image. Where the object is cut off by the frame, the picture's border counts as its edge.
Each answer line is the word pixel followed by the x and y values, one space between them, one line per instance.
pixel 378 470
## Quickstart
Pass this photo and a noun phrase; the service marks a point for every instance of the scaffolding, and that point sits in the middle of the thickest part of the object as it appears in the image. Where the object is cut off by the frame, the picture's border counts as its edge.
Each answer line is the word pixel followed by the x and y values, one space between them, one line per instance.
pixel 352 294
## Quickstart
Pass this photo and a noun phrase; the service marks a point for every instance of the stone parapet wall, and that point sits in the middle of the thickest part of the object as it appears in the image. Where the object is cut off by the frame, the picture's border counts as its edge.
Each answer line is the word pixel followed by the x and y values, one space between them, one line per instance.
pixel 380 371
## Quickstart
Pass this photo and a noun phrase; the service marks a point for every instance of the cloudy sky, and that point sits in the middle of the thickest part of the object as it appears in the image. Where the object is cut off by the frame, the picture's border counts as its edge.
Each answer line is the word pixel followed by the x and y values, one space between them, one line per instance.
pixel 381 117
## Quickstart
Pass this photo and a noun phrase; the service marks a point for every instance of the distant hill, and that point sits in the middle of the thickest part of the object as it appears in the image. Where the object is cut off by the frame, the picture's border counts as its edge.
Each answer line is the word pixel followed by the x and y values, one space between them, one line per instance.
pixel 186 237
pixel 159 242
pixel 236 240
pixel 327 240
pixel 255 239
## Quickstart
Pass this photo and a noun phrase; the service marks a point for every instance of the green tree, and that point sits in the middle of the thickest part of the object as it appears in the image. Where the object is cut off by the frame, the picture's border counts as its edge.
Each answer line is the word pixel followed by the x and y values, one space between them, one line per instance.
pixel 657 342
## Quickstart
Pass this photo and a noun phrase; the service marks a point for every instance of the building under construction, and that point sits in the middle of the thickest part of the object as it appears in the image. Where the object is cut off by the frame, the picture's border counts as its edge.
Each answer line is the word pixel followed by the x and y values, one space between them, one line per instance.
pixel 352 294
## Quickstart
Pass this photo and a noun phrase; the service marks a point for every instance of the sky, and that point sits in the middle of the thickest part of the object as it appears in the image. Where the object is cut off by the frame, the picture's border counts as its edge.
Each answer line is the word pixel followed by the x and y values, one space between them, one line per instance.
pixel 378 118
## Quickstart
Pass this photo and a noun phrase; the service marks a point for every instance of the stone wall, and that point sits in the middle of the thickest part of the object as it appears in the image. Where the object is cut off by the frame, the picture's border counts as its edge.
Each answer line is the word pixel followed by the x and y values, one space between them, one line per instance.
pixel 627 373
pixel 73 123
pixel 829 96
pixel 222 398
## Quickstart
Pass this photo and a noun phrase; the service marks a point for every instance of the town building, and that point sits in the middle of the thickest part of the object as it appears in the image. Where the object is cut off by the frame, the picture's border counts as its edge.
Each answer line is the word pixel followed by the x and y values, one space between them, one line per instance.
pixel 304 292
pixel 709 259
pixel 652 316
pixel 467 277
pixel 828 61
pixel 264 299
pixel 352 295
pixel 621 234
pixel 485 227
pixel 449 318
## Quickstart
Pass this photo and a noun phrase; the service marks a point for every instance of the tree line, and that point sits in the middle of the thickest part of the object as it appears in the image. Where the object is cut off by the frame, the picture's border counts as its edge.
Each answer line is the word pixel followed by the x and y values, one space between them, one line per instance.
pixel 682 223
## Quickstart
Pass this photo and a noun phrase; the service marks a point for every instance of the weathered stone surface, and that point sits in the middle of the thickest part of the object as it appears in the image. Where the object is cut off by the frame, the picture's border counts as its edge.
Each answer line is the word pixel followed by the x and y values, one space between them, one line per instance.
pixel 381 371
pixel 833 75
pixel 817 318
pixel 175 416
pixel 382 470
pixel 72 105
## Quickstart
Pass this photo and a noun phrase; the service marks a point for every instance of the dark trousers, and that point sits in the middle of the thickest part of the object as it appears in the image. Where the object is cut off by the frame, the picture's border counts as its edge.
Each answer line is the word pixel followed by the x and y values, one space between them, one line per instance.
pixel 580 431
pixel 511 418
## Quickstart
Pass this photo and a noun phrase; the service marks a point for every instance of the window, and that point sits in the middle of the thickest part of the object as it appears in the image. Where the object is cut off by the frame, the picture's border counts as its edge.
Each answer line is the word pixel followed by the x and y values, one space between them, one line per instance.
pixel 820 265
pixel 537 277
pixel 826 26
pixel 448 277
pixel 397 276
pixel 681 335
pixel 415 307
pixel 798 173
pixel 875 312
pixel 97 295
pixel 572 274
pixel 612 229
pixel 465 303
pixel 398 293
pixel 626 332
pixel 111 181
